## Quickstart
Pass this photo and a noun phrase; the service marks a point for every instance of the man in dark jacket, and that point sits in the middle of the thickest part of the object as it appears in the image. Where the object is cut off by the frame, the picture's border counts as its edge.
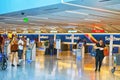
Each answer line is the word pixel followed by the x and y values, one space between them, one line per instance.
pixel 1 43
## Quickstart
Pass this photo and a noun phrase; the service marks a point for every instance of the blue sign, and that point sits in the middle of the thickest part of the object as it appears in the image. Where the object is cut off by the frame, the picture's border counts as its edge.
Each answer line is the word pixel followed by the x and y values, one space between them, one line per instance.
pixel 30 36
pixel 91 38
pixel 64 37
pixel 44 37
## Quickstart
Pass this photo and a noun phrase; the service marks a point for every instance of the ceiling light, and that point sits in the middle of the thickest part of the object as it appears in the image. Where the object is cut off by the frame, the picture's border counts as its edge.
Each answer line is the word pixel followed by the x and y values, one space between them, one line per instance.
pixel 37 17
pixel 72 31
pixel 91 8
pixel 93 20
pixel 37 31
pixel 53 31
pixel 72 23
pixel 13 19
pixel 36 24
pixel 69 27
pixel 75 12
pixel 25 31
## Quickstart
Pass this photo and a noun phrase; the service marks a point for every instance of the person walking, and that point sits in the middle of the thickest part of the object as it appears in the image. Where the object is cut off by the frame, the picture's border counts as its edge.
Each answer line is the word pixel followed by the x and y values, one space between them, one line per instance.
pixel 20 49
pixel 99 54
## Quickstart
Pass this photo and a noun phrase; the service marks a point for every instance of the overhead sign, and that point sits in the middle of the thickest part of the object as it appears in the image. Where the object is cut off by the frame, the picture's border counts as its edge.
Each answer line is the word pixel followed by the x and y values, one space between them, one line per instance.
pixel 65 37
pixel 98 31
pixel 72 31
pixel 44 37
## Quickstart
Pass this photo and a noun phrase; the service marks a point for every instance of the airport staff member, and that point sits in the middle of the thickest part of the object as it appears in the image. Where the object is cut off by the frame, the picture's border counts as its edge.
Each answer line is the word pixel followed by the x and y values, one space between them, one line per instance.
pixel 99 54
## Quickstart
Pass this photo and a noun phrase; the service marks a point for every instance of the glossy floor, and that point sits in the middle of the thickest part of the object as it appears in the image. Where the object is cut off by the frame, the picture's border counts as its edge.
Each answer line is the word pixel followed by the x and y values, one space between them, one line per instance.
pixel 49 68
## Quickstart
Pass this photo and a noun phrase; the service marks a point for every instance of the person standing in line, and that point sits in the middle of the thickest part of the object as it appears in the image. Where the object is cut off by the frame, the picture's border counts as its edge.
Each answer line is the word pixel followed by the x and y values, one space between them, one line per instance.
pixel 14 49
pixel 51 45
pixel 1 43
pixel 79 40
pixel 25 46
pixel 20 49
pixel 99 54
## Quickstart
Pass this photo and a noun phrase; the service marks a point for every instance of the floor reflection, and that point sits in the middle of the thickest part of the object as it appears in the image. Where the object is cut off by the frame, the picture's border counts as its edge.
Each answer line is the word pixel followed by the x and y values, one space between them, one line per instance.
pixel 49 68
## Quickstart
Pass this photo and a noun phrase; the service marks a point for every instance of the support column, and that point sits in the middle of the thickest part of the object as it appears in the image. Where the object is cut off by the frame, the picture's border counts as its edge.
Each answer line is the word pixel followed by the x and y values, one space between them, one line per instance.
pixel 110 50
pixel 39 37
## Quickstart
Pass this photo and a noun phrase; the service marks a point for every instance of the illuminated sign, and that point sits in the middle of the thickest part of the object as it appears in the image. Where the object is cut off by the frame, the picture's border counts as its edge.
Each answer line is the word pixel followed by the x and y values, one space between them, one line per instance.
pixel 114 38
pixel 44 37
pixel 98 31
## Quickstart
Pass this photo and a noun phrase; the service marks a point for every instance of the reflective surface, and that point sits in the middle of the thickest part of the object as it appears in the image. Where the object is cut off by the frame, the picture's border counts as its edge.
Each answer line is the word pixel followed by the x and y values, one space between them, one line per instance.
pixel 49 68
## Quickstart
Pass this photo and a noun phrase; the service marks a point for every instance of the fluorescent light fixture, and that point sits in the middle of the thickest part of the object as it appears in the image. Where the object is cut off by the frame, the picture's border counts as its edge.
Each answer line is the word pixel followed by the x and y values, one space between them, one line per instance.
pixel 36 24
pixel 72 23
pixel 25 31
pixel 37 17
pixel 37 31
pixel 75 12
pixel 72 31
pixel 93 20
pixel 69 27
pixel 91 8
pixel 53 31
pixel 13 19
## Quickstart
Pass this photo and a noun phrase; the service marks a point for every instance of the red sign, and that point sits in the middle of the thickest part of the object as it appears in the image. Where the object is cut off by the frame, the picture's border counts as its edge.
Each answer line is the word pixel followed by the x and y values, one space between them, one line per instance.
pixel 98 31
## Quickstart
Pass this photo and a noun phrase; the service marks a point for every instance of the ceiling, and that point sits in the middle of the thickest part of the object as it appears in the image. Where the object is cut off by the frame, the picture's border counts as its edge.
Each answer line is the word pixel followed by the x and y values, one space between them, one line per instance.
pixel 80 15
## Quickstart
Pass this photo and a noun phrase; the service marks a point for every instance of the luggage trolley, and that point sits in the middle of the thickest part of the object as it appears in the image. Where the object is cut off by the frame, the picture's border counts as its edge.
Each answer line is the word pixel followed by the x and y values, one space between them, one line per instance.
pixel 116 58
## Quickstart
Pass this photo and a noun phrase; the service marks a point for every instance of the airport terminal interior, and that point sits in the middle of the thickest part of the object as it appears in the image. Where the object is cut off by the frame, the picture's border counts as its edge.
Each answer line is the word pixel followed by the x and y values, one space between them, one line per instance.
pixel 59 39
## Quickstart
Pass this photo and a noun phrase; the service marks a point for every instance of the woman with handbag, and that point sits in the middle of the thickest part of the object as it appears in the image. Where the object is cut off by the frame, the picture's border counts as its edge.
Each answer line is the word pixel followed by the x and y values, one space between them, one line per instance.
pixel 99 54
pixel 14 49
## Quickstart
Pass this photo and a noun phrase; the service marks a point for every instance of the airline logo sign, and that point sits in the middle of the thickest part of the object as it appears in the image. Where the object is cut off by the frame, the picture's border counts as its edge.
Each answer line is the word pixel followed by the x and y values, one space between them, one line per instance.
pixel 44 37
pixel 70 37
pixel 114 38
pixel 98 31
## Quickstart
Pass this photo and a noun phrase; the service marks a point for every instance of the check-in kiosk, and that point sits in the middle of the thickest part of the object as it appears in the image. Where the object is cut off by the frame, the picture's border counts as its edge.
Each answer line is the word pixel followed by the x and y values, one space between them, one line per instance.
pixel 58 46
pixel 80 53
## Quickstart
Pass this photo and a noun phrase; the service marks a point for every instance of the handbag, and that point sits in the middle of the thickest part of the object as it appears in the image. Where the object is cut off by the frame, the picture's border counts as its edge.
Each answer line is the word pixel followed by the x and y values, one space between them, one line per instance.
pixel 106 51
pixel 93 53
pixel 14 47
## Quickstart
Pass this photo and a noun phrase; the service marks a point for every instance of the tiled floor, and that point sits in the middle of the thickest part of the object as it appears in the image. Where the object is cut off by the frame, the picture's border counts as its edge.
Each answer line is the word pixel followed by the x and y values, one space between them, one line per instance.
pixel 49 68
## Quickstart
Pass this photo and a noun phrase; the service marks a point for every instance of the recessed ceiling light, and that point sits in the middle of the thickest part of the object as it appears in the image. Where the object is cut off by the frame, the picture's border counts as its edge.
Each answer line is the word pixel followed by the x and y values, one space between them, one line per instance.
pixel 72 31
pixel 53 31
pixel 75 12
pixel 93 20
pixel 37 17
